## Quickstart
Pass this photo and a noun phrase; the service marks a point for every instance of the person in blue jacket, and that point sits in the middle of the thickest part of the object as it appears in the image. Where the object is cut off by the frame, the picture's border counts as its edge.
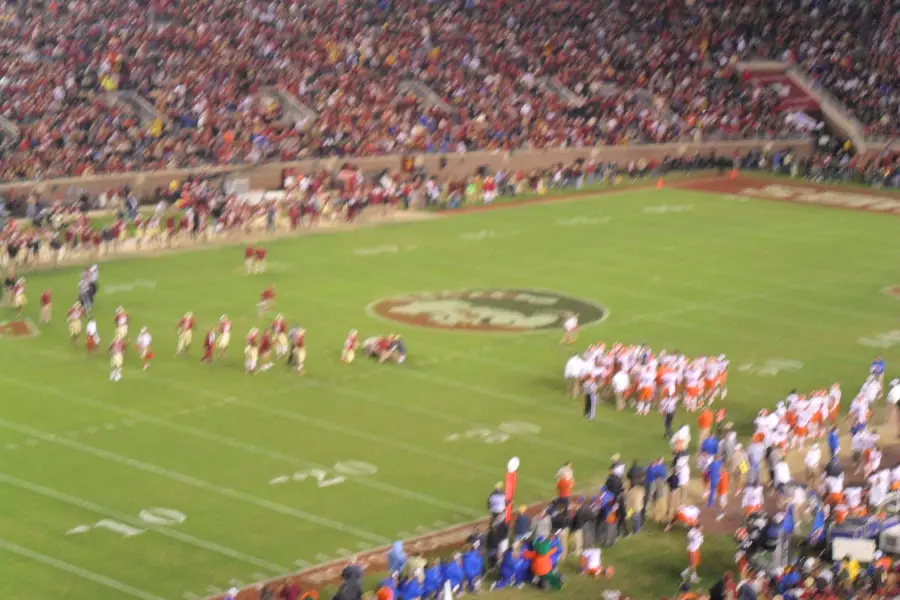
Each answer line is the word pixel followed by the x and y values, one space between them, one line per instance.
pixel 473 567
pixel 412 588
pixel 396 558
pixel 453 573
pixel 834 441
pixel 513 570
pixel 434 579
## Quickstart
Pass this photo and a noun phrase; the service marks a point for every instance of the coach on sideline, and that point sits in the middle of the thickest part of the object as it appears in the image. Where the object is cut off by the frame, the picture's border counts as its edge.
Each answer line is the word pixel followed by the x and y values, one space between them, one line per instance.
pixel 496 502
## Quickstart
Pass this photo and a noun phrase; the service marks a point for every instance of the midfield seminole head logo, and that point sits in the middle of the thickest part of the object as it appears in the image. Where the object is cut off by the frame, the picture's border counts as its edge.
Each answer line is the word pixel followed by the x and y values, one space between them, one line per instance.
pixel 489 310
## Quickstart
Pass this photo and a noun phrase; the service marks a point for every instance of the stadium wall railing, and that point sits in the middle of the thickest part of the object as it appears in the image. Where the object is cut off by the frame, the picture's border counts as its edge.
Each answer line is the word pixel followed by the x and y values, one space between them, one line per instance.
pixel 269 176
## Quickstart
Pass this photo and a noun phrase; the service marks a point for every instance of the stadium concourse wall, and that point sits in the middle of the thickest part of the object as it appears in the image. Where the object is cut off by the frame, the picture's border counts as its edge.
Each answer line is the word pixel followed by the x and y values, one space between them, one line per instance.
pixel 269 176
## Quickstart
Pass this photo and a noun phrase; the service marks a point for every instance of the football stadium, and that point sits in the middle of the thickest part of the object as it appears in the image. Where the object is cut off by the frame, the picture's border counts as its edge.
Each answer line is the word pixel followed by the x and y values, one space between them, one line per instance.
pixel 412 300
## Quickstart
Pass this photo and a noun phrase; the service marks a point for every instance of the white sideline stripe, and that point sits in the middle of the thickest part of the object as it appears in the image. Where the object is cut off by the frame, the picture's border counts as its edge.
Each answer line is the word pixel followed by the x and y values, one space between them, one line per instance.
pixel 78 571
pixel 193 481
pixel 182 537
pixel 238 445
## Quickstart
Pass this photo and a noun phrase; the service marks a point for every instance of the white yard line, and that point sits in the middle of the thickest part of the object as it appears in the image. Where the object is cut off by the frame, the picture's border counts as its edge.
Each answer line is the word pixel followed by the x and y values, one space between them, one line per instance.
pixel 236 444
pixel 162 530
pixel 223 491
pixel 103 580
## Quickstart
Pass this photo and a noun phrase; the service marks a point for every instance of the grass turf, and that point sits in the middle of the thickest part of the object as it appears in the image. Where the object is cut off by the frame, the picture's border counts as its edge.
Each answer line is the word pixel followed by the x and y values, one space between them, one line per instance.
pixel 677 269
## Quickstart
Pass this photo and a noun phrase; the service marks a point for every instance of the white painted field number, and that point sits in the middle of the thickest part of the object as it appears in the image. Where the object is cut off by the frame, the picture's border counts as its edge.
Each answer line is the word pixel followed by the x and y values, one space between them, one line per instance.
pixel 329 477
pixel 882 340
pixel 161 517
pixel 499 435
pixel 771 367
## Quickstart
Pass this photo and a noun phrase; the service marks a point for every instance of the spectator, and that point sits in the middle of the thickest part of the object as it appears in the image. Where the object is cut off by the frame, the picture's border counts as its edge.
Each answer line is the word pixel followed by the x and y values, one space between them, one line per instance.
pixel 522 525
pixel 583 526
pixel 396 558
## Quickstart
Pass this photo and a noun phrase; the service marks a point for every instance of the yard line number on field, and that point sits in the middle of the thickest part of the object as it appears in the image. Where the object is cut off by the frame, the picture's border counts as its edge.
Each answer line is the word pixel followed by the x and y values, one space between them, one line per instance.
pixel 495 436
pixel 771 367
pixel 663 209
pixel 888 339
pixel 163 517
pixel 329 477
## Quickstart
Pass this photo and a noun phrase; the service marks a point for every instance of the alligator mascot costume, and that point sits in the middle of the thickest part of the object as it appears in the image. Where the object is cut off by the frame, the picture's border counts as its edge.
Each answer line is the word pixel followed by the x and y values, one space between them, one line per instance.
pixel 541 557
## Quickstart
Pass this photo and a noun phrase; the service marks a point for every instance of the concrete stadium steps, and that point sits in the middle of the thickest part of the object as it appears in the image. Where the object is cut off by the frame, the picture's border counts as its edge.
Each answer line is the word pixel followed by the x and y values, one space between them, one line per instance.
pixel 146 112
pixel 425 93
pixel 294 111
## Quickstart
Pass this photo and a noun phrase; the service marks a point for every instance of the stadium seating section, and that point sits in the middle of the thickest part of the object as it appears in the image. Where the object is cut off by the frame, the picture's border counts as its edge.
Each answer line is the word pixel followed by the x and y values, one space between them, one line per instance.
pixel 641 71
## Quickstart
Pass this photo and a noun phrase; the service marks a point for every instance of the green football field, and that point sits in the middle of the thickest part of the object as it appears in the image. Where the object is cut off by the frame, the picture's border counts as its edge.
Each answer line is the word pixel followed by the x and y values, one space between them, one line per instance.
pixel 185 479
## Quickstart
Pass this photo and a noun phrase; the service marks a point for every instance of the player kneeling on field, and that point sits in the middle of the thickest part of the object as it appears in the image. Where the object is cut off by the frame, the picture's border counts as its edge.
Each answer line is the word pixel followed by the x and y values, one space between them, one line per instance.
pixel 384 349
pixel 350 344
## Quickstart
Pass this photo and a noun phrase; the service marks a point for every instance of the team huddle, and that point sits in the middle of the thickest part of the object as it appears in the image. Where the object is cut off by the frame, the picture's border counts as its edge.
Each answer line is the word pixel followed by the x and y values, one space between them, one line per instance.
pixel 635 375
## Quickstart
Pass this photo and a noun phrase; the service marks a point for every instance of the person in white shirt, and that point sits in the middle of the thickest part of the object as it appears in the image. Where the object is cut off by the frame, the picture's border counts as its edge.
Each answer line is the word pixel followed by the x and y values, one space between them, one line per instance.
pixel 571 330
pixel 620 384
pixel 573 373
pixel 811 463
pixel 879 486
pixel 893 402
pixel 782 473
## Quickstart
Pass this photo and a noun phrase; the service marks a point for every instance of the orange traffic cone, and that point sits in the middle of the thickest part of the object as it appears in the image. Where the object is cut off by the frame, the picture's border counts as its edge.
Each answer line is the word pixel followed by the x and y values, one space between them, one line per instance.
pixel 734 174
pixel 659 184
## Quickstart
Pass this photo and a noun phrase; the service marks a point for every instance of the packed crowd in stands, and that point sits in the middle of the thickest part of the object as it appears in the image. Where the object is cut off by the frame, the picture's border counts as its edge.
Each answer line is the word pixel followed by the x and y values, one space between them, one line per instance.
pixel 849 48
pixel 641 73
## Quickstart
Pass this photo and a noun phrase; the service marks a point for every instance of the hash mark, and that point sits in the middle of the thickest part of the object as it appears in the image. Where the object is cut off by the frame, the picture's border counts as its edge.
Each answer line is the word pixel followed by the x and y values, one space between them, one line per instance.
pixel 404 534
pixel 12 446
pixel 322 557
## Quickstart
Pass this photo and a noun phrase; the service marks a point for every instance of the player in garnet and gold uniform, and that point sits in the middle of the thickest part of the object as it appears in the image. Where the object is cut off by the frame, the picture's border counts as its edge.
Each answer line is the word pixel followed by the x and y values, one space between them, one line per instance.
pixel 185 333
pixel 266 301
pixel 144 341
pixel 249 254
pixel 251 351
pixel 209 344
pixel 20 300
pixel 74 316
pixel 259 266
pixel 121 322
pixel 298 358
pixel 279 332
pixel 265 350
pixel 224 337
pixel 46 307
pixel 116 359
pixel 350 345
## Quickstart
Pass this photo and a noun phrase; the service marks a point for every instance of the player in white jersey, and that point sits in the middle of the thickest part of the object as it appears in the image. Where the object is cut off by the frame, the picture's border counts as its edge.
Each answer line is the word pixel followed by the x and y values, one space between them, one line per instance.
pixel 646 389
pixel 879 487
pixel 144 341
pixel 752 499
pixel 859 410
pixel 870 389
pixel 91 335
pixel 853 498
pixel 694 542
pixel 712 379
pixel 570 327
pixel 895 479
pixel 872 461
pixel 692 391
pixel 802 425
pixel 574 372
pixel 816 402
pixel 833 487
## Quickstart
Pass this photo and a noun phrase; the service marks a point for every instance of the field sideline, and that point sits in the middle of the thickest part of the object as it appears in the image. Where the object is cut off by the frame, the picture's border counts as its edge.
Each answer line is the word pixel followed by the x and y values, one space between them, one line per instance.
pixel 187 479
